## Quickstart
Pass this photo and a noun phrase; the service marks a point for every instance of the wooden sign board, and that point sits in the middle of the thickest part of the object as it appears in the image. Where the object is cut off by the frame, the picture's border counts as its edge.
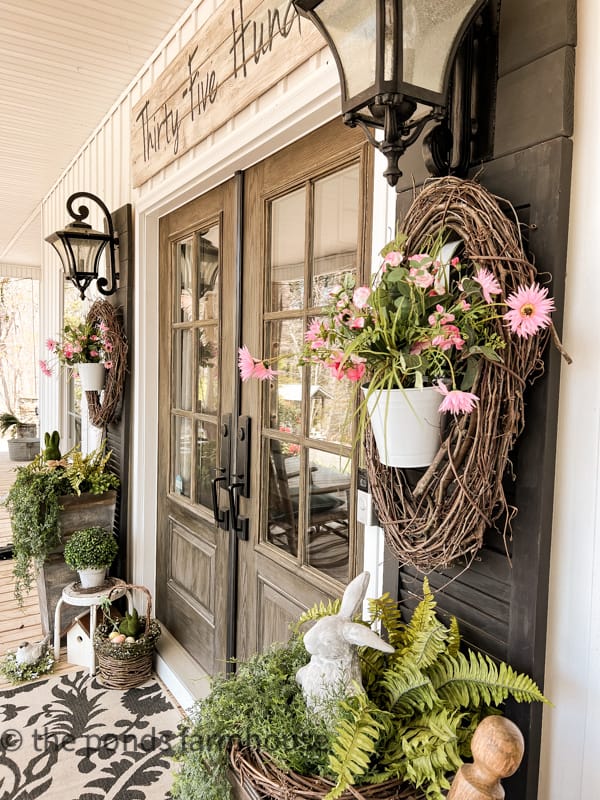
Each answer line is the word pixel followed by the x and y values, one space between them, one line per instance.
pixel 242 51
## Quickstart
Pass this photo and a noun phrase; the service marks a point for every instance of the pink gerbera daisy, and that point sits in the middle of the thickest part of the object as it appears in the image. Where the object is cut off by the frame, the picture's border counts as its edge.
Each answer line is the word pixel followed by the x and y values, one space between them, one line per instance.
pixel 251 367
pixel 455 401
pixel 530 310
pixel 45 368
pixel 489 284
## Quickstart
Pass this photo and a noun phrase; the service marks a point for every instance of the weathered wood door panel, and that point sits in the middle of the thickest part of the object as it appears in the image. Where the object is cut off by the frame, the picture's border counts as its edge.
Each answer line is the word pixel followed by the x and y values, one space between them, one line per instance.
pixel 196 351
pixel 306 225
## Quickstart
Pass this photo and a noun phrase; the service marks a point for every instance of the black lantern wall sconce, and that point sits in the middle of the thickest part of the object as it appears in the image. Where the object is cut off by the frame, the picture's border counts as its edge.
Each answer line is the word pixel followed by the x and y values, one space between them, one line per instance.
pixel 393 58
pixel 80 248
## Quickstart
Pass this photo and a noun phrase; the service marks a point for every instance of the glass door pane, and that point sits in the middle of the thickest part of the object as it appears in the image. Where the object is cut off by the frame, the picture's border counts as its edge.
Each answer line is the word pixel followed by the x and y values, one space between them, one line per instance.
pixel 196 380
pixel 308 412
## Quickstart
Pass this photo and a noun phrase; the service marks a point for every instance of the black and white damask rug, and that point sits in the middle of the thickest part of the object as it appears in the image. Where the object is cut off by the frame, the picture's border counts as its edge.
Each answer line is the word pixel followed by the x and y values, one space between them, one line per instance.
pixel 69 738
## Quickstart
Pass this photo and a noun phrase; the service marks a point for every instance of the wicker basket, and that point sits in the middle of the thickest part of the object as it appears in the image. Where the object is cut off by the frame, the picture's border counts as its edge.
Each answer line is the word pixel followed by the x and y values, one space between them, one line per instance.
pixel 128 664
pixel 261 778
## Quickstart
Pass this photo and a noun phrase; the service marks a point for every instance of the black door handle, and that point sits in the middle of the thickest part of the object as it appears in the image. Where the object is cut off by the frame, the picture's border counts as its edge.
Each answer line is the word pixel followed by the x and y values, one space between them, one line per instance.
pixel 221 516
pixel 239 524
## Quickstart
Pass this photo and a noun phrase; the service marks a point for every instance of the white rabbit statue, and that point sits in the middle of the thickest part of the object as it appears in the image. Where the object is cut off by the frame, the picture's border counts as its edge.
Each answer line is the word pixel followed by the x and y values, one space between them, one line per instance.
pixel 333 670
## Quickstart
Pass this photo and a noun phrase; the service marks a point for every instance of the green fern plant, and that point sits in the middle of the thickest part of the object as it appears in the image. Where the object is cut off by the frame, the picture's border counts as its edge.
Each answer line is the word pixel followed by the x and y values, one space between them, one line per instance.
pixel 413 721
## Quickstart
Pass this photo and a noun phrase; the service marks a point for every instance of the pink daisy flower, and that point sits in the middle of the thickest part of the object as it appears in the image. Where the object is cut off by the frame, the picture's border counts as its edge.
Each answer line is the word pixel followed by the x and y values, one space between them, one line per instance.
pixel 455 401
pixel 489 284
pixel 51 345
pixel 45 368
pixel 530 310
pixel 251 367
pixel 108 364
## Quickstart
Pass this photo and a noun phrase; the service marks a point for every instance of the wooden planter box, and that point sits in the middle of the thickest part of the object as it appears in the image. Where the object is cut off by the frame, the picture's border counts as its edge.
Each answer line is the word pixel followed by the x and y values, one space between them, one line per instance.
pixel 79 511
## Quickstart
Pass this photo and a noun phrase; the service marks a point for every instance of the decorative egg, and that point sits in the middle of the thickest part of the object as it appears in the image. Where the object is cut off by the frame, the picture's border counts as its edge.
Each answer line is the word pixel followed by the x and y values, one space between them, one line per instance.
pixel 113 635
pixel 130 639
pixel 119 638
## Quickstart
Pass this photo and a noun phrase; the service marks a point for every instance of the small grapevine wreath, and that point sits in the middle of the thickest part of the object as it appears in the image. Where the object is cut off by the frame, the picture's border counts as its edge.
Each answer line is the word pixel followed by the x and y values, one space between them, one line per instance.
pixel 445 514
pixel 103 410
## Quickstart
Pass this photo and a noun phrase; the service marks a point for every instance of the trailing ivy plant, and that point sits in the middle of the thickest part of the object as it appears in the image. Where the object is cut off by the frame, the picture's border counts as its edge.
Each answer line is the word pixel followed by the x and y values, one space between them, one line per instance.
pixel 414 721
pixel 34 505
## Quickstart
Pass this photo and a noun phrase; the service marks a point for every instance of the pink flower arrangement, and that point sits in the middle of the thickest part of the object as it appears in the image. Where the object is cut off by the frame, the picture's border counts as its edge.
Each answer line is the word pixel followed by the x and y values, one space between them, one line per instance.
pixel 426 319
pixel 79 343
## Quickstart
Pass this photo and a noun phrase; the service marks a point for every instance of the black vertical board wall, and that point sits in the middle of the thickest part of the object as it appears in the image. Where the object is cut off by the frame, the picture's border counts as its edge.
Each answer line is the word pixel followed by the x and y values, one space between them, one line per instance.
pixel 501 600
pixel 118 432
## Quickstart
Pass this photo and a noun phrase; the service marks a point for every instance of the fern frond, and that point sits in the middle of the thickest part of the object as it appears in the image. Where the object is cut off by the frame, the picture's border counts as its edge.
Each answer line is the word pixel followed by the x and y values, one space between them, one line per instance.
pixel 385 609
pixel 463 682
pixel 453 645
pixel 407 689
pixel 357 734
pixel 372 665
pixel 423 617
pixel 316 612
pixel 427 750
pixel 427 645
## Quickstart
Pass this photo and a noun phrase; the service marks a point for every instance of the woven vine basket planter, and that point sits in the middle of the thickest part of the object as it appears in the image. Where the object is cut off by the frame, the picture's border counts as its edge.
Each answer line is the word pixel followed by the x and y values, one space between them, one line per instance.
pixel 128 664
pixel 261 778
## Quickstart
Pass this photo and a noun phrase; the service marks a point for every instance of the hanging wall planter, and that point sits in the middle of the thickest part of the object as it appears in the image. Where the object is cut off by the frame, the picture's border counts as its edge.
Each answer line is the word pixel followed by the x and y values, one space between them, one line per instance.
pixel 406 425
pixel 91 376
pixel 443 516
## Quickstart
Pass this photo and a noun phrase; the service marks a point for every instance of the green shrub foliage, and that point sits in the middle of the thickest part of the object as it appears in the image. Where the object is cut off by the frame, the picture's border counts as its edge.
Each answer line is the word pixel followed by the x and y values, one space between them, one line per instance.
pixel 91 548
pixel 414 721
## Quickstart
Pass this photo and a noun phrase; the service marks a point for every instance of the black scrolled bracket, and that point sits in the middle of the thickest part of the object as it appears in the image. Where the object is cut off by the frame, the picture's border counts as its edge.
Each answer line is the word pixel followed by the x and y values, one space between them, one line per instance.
pixel 239 524
pixel 103 285
pixel 221 515
pixel 398 134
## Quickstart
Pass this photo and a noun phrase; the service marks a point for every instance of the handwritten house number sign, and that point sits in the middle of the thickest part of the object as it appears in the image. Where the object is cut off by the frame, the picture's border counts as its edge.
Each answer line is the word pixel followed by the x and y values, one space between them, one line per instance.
pixel 240 53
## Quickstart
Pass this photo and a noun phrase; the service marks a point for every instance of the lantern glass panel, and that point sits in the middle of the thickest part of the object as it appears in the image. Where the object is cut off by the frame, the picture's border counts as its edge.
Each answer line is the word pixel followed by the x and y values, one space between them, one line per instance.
pixel 429 30
pixel 351 26
pixel 86 253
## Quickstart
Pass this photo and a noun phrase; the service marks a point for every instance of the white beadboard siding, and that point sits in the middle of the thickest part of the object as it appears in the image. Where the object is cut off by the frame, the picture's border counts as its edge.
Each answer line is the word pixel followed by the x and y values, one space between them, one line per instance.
pixel 571 734
pixel 61 67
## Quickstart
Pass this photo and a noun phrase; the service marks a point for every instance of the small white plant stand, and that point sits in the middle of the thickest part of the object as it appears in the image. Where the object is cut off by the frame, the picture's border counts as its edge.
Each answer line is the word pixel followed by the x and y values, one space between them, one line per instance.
pixel 73 595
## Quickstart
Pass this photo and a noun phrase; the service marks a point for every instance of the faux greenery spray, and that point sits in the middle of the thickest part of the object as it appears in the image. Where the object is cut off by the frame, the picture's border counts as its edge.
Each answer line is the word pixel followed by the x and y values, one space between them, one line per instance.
pixel 414 721
pixel 34 503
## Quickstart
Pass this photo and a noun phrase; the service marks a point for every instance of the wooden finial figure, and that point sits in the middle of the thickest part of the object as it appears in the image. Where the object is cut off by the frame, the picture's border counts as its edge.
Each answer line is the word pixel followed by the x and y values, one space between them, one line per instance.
pixel 497 748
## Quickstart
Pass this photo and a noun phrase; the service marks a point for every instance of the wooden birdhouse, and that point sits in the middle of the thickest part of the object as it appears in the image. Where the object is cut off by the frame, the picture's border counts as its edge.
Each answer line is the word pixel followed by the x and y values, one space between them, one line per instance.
pixel 79 641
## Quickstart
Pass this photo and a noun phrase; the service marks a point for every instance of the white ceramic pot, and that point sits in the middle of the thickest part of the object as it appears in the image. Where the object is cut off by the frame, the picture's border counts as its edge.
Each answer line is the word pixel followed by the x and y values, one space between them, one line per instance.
pixel 91 376
pixel 406 425
pixel 90 578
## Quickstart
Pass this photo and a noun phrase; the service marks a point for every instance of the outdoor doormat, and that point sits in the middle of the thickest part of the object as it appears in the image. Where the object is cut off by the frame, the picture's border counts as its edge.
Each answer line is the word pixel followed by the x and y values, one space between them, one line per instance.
pixel 69 738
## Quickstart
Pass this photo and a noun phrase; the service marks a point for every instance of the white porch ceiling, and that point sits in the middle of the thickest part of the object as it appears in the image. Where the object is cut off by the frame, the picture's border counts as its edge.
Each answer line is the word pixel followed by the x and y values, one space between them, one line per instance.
pixel 62 66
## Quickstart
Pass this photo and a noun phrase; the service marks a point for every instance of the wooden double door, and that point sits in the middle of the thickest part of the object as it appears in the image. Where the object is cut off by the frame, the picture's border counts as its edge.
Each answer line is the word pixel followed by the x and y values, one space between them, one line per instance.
pixel 257 483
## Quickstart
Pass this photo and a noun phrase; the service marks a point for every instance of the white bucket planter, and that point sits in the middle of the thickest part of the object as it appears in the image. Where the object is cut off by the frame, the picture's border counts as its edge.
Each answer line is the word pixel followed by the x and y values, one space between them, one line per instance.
pixel 91 376
pixel 91 578
pixel 406 425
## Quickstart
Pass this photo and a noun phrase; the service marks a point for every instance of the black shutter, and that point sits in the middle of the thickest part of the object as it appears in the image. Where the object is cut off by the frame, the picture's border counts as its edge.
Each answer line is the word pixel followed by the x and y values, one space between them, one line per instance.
pixel 118 432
